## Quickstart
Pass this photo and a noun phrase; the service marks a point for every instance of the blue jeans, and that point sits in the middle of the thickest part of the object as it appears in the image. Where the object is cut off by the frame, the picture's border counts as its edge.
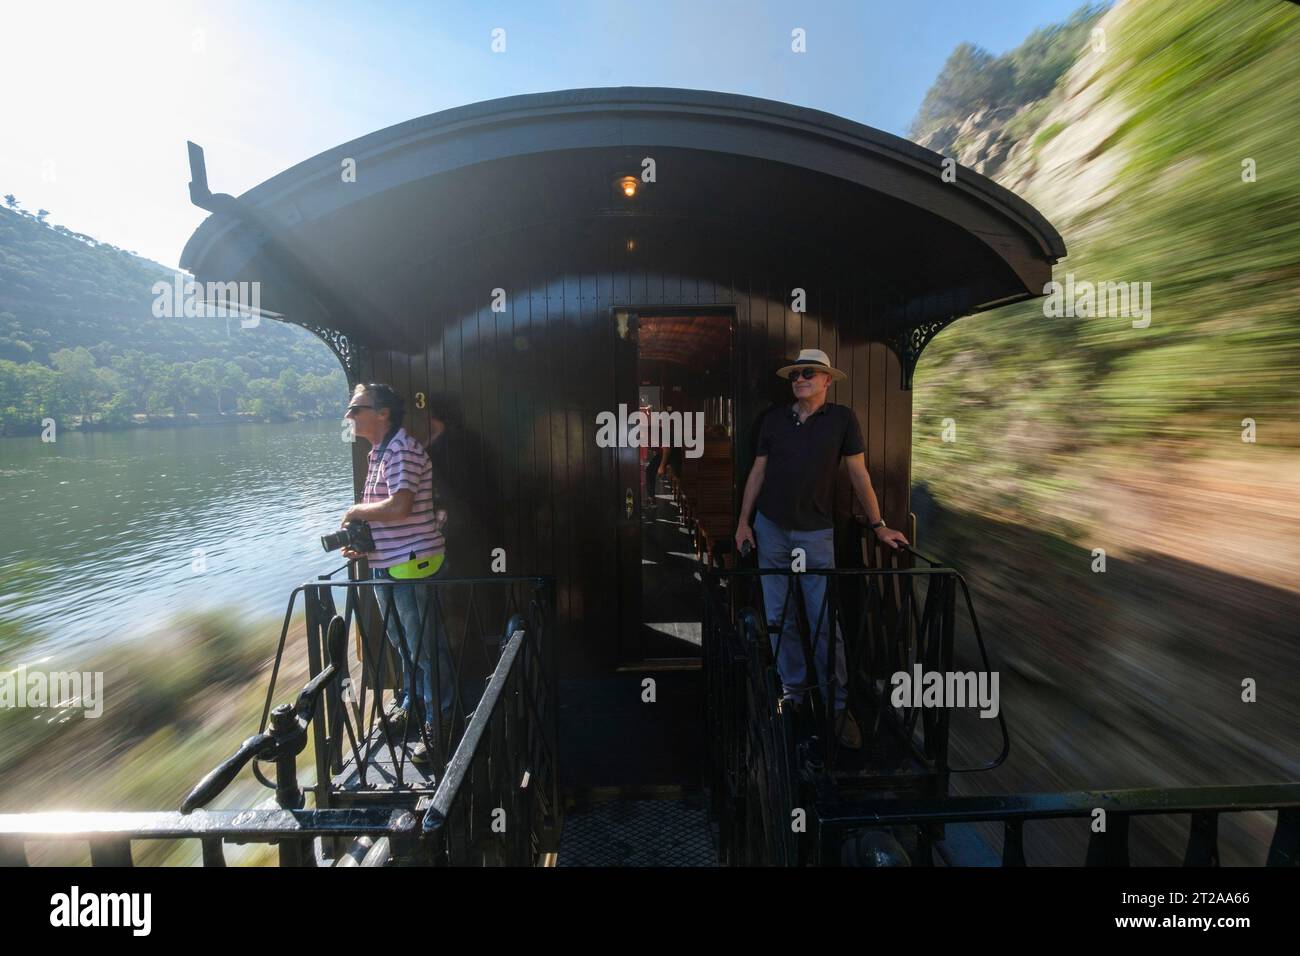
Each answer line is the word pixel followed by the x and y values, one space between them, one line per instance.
pixel 775 545
pixel 404 607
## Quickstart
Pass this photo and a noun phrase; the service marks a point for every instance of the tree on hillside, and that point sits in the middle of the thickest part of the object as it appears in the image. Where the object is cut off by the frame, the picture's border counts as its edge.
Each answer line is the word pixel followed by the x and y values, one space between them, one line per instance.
pixel 76 368
pixel 28 393
pixel 141 375
pixel 41 214
pixel 973 79
pixel 234 380
pixel 288 385
pixel 1046 54
pixel 207 381
pixel 178 388
pixel 10 201
pixel 265 399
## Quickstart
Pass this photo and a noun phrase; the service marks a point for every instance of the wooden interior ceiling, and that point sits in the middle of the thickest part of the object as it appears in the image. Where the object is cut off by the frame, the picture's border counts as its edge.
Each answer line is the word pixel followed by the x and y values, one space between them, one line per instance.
pixel 697 341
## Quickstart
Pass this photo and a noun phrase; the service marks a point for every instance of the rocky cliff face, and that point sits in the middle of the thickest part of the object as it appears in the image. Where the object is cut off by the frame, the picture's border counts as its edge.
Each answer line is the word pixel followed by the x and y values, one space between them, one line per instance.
pixel 980 142
pixel 1055 152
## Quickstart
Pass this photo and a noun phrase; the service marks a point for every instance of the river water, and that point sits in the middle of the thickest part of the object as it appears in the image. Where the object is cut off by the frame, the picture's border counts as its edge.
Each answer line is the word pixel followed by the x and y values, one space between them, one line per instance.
pixel 108 536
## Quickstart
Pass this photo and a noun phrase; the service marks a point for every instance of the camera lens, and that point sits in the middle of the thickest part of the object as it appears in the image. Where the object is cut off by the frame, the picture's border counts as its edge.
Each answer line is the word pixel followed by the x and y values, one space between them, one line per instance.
pixel 334 540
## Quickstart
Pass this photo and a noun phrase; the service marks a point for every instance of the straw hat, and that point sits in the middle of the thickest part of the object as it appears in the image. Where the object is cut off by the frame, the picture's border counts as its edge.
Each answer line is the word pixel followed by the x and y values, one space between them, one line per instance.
pixel 812 358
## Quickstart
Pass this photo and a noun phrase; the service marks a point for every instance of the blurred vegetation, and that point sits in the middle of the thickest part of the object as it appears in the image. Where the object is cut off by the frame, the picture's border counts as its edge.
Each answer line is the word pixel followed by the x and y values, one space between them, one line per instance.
pixel 173 709
pixel 79 342
pixel 1204 86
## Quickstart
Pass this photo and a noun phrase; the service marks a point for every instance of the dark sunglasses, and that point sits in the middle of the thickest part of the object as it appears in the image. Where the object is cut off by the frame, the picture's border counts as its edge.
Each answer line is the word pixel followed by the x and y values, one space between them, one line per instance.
pixel 357 408
pixel 805 372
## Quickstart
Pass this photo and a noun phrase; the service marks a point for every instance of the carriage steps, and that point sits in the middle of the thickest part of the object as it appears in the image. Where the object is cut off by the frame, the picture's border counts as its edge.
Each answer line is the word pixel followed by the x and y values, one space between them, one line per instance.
pixel 638 832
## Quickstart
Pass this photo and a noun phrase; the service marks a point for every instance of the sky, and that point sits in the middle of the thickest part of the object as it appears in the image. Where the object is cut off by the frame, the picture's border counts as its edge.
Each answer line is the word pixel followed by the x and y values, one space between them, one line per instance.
pixel 98 98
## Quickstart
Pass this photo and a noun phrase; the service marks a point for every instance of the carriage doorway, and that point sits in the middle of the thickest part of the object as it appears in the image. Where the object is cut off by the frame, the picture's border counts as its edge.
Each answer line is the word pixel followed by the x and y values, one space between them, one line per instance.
pixel 677 371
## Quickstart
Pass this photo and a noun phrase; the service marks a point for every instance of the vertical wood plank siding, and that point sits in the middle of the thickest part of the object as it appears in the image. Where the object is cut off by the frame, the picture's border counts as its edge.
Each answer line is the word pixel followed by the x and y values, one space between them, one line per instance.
pixel 519 391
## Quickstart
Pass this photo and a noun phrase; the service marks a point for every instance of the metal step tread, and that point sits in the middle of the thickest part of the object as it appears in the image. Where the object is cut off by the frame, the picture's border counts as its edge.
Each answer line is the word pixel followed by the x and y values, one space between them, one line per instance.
pixel 638 833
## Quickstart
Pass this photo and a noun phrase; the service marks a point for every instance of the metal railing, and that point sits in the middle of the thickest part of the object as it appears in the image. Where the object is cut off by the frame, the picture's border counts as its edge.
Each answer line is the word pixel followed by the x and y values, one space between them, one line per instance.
pixel 889 620
pixel 361 755
pixel 762 774
pixel 1106 847
pixel 498 803
pixel 369 804
pixel 293 829
pixel 110 835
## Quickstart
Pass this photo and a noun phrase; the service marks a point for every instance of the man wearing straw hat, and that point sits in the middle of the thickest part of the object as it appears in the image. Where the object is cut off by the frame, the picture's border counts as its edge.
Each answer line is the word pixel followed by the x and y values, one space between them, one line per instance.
pixel 792 483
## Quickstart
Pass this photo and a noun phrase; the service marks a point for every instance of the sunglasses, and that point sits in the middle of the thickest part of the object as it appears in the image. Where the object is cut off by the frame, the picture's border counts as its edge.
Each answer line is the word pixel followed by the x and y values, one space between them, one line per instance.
pixel 804 372
pixel 356 408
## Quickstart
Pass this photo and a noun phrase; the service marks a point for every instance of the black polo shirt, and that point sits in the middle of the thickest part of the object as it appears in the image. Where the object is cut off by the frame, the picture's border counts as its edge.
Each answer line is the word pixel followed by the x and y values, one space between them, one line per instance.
pixel 802 459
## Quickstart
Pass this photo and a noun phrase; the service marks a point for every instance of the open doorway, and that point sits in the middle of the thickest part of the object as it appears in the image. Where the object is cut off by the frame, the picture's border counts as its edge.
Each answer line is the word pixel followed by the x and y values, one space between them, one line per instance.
pixel 687 477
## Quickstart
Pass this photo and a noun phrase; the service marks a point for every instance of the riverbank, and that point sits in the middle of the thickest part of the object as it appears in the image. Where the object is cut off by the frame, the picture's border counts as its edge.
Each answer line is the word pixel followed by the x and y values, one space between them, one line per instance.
pixel 143 422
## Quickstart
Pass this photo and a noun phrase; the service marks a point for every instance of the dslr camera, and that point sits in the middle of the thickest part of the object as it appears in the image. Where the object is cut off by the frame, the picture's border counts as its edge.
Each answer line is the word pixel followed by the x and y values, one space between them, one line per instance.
pixel 355 535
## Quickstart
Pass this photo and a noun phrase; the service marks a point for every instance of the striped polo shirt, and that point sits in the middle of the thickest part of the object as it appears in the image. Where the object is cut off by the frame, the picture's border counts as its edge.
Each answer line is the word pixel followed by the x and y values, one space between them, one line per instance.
pixel 404 464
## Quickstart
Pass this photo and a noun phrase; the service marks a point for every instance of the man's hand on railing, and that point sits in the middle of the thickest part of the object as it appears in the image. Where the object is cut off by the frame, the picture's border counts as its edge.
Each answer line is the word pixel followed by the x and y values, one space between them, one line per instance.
pixel 895 539
pixel 891 537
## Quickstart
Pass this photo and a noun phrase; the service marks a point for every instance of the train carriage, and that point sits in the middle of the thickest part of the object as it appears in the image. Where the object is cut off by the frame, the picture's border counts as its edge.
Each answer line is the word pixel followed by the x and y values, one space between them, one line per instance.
pixel 518 269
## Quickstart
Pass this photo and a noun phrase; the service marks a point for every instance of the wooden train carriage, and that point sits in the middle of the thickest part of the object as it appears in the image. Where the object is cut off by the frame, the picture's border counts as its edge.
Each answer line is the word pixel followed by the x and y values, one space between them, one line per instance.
pixel 522 268
pixel 518 267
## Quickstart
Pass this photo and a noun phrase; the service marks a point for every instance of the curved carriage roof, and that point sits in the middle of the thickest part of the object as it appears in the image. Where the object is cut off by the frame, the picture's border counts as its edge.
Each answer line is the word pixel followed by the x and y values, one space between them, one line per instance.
pixel 488 175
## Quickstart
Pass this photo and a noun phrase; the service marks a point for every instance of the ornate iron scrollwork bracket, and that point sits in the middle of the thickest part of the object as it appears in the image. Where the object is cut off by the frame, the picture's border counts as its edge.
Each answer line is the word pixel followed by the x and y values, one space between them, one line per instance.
pixel 280 250
pixel 908 343
pixel 349 352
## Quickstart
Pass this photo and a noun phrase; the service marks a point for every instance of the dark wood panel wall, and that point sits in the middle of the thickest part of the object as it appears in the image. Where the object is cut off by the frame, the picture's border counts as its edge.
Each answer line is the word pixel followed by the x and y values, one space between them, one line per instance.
pixel 519 391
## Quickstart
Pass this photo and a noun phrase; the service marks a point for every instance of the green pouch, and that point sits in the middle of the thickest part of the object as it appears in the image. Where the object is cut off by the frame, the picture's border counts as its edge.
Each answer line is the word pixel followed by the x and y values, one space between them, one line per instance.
pixel 417 567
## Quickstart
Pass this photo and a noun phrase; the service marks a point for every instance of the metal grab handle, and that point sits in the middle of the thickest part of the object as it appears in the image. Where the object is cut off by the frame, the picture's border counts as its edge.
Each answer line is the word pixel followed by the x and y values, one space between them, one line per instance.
pixel 305 708
pixel 286 737
pixel 218 779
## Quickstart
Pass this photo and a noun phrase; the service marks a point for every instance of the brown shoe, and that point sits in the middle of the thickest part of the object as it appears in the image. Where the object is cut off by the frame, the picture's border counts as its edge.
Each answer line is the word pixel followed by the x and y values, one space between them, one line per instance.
pixel 397 724
pixel 846 728
pixel 421 754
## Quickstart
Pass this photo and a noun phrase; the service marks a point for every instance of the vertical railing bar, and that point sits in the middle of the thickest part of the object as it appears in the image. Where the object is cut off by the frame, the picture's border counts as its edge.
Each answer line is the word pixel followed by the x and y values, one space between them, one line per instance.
pixel 1203 840
pixel 13 852
pixel 378 714
pixel 1109 847
pixel 110 852
pixel 1013 843
pixel 315 664
pixel 213 852
pixel 1285 847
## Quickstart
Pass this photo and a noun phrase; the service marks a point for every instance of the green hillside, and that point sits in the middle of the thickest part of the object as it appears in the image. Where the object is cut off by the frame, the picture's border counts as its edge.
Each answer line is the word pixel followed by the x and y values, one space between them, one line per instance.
pixel 79 342
pixel 1142 156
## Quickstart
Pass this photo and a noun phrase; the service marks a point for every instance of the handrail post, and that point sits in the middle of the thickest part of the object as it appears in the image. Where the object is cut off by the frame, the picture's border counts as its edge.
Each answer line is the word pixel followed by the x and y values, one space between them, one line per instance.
pixel 946 634
pixel 1013 843
pixel 316 624
pixel 1285 848
pixel 288 795
pixel 1203 840
pixel 1109 847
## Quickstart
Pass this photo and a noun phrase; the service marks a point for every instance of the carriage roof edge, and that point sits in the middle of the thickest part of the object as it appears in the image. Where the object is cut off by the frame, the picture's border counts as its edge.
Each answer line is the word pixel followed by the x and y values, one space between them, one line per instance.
pixel 233 241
